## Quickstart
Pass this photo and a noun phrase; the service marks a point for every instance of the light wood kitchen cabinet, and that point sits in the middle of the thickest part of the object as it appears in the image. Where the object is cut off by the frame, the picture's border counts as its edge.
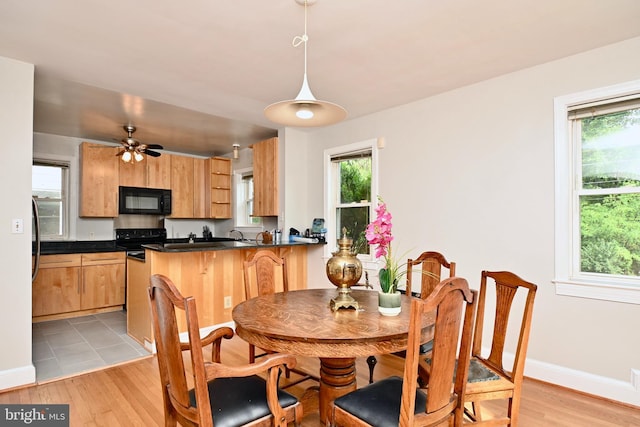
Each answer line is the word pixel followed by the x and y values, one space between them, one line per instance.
pixel 200 171
pixel 265 178
pixel 103 280
pixel 133 174
pixel 188 185
pixel 150 172
pixel 159 171
pixel 73 285
pixel 98 180
pixel 219 187
pixel 182 188
pixel 138 314
pixel 58 285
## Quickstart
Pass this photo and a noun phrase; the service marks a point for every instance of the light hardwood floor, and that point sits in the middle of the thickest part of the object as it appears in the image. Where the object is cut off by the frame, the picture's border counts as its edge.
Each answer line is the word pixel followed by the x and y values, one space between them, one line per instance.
pixel 129 395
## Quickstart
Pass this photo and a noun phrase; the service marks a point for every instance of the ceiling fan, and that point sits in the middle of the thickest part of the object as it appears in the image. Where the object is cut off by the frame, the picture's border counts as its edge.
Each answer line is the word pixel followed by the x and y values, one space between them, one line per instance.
pixel 134 149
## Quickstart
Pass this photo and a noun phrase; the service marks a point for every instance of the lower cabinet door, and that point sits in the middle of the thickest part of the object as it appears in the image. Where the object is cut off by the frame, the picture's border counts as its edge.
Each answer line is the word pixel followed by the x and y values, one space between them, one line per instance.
pixel 56 290
pixel 102 286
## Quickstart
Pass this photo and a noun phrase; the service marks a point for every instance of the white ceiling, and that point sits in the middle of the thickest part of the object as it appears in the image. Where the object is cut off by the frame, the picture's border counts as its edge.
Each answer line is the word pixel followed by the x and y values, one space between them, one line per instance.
pixel 195 76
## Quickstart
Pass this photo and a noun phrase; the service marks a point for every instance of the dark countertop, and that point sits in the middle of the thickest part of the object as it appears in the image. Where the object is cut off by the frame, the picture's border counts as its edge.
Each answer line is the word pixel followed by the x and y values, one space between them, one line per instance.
pixel 172 245
pixel 217 246
pixel 76 246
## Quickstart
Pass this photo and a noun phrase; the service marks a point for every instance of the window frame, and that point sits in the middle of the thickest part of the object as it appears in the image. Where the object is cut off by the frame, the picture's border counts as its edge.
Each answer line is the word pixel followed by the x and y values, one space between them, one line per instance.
pixel 566 280
pixel 66 201
pixel 330 198
pixel 240 205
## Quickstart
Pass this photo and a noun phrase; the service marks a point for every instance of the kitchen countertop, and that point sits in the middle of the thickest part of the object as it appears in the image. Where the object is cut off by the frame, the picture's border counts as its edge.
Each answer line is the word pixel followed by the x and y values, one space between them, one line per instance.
pixel 76 247
pixel 172 245
pixel 217 246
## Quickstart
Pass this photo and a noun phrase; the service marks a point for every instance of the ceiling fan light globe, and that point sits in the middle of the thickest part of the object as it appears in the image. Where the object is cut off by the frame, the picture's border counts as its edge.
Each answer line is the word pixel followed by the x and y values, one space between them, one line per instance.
pixel 138 157
pixel 126 156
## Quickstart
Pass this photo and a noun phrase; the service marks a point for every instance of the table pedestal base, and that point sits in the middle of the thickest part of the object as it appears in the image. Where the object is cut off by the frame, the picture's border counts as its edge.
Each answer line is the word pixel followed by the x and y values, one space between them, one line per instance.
pixel 337 378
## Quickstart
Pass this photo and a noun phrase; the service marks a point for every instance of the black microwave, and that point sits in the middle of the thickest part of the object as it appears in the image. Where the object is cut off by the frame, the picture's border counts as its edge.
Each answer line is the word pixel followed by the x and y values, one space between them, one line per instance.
pixel 144 201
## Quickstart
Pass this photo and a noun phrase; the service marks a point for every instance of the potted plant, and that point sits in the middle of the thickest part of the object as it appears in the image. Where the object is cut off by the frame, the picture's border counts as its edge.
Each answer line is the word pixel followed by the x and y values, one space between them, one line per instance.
pixel 378 232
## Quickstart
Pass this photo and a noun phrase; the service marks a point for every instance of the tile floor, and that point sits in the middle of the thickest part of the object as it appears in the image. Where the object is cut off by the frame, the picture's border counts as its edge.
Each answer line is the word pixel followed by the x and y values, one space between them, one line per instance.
pixel 70 346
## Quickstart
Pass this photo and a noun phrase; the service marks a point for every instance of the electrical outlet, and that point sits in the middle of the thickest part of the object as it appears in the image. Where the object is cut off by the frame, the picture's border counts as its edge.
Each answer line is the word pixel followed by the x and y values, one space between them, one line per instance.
pixel 228 302
pixel 91 235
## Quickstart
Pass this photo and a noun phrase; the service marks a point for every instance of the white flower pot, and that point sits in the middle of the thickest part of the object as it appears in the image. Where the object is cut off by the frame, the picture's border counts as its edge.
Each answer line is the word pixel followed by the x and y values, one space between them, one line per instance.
pixel 389 304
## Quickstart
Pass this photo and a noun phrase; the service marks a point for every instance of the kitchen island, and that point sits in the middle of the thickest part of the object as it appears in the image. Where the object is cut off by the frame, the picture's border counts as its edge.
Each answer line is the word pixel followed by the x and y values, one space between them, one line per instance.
pixel 211 272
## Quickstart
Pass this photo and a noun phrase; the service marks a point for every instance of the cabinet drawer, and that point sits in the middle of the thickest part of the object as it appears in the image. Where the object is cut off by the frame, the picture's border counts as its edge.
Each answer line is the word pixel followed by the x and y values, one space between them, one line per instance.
pixel 61 260
pixel 100 258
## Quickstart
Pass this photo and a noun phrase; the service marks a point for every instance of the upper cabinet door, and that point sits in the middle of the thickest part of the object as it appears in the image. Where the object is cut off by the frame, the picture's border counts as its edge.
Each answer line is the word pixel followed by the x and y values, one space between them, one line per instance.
pixel 182 188
pixel 159 171
pixel 151 172
pixel 133 174
pixel 265 178
pixel 200 170
pixel 98 180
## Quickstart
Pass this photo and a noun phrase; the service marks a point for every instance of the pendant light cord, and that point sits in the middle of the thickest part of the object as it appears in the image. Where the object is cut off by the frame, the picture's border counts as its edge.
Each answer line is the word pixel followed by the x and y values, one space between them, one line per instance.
pixel 297 40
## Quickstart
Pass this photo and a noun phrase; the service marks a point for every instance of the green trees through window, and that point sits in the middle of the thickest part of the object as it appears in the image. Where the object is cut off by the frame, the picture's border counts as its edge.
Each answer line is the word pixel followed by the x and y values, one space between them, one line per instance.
pixel 353 208
pixel 609 197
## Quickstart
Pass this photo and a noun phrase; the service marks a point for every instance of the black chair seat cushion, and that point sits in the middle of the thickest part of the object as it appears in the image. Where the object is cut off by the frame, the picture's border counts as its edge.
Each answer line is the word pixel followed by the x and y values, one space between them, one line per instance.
pixel 379 403
pixel 238 401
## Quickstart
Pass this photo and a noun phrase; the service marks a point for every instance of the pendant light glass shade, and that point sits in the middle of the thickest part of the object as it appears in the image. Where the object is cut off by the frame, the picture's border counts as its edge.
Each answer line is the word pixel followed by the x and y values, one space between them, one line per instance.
pixel 305 110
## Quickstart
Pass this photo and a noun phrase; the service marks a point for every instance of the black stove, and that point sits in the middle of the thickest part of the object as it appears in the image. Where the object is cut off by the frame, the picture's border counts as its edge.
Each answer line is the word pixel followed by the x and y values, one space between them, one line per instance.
pixel 132 239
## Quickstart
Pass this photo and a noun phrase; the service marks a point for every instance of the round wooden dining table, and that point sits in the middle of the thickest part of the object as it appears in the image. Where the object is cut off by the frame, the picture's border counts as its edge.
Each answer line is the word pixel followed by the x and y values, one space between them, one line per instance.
pixel 302 323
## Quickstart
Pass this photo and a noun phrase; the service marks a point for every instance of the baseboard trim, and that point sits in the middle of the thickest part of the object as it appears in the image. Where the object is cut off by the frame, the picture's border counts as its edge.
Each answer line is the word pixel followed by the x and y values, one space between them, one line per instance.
pixel 596 385
pixel 17 377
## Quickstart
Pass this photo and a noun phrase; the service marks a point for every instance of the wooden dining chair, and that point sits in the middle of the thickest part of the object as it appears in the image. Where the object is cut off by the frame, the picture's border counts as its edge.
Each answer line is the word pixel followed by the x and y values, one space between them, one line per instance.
pixel 266 273
pixel 488 378
pixel 396 401
pixel 221 395
pixel 429 265
pixel 430 269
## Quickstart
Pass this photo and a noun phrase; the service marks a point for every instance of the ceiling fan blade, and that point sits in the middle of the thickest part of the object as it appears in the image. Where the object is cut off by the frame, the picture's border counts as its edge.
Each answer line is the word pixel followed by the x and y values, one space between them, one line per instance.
pixel 155 146
pixel 120 153
pixel 152 153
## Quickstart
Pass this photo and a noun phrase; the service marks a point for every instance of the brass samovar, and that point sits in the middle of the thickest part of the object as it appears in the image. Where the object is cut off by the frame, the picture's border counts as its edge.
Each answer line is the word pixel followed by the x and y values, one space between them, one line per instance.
pixel 344 270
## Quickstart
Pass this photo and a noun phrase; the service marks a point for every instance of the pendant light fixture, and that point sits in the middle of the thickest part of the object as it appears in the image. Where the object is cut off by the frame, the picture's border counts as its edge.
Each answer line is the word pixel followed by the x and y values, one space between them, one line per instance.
pixel 305 110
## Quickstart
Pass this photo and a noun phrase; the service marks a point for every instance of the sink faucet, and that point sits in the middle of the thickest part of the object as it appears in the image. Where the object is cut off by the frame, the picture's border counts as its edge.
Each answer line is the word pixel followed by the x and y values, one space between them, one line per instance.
pixel 239 232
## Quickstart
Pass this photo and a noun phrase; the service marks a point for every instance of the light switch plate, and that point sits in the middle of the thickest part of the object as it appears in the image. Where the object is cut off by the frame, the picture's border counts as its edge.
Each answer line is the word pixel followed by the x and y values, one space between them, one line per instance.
pixel 17 226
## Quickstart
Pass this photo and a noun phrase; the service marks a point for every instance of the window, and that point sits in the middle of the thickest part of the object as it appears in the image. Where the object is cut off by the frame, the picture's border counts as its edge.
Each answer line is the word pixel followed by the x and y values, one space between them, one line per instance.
pixel 351 177
pixel 244 200
pixel 598 195
pixel 50 183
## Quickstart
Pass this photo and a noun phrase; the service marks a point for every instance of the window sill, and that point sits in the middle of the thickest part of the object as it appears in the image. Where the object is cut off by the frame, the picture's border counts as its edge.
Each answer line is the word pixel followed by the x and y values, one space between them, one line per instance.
pixel 599 291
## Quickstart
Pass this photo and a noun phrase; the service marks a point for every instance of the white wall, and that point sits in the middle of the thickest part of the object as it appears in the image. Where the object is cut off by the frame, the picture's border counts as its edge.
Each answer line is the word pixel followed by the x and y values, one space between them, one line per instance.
pixel 16 128
pixel 470 173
